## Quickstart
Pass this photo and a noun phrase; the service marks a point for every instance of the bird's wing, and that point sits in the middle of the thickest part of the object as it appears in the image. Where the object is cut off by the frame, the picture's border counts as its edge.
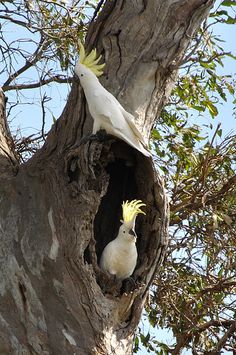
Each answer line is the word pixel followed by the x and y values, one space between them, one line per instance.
pixel 108 257
pixel 108 109
pixel 130 120
pixel 117 120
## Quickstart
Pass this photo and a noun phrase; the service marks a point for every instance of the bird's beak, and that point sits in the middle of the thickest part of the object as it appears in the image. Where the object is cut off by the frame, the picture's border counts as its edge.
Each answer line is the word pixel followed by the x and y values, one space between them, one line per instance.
pixel 132 232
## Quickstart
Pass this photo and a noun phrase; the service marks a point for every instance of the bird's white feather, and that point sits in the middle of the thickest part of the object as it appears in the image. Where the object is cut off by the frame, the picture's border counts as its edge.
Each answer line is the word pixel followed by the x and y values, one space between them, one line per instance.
pixel 119 257
pixel 107 112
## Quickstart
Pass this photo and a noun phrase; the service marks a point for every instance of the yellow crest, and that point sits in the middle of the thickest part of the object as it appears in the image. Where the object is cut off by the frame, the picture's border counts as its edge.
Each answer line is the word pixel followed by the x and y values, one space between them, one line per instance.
pixel 90 60
pixel 131 210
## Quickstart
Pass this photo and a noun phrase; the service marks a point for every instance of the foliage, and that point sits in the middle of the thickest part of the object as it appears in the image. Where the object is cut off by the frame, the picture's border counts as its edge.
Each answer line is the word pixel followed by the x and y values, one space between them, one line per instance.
pixel 36 41
pixel 51 30
pixel 194 293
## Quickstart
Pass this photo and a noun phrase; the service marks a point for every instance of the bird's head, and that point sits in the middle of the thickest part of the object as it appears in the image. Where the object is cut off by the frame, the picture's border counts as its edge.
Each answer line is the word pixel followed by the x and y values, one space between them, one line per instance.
pixel 127 233
pixel 87 65
pixel 130 210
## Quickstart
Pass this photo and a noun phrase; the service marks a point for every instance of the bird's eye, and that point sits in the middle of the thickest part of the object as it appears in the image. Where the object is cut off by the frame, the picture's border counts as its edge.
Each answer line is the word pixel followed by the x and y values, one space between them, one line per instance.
pixel 124 232
pixel 82 75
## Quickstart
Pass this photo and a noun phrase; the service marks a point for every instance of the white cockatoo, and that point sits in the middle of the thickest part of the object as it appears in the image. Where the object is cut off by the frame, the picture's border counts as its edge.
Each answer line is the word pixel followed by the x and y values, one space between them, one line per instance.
pixel 106 111
pixel 119 257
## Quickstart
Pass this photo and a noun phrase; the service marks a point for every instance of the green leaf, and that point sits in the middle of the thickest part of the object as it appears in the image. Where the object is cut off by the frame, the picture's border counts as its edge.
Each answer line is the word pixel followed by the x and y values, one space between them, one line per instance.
pixel 212 109
pixel 230 88
pixel 54 119
pixel 199 108
pixel 219 13
pixel 228 3
pixel 219 132
pixel 207 65
pixel 220 273
pixel 156 134
pixel 136 345
pixel 230 21
pixel 231 56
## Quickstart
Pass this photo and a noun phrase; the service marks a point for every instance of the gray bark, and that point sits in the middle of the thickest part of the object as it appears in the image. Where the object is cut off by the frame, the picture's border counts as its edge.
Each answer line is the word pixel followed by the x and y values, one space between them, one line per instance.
pixel 59 210
pixel 8 157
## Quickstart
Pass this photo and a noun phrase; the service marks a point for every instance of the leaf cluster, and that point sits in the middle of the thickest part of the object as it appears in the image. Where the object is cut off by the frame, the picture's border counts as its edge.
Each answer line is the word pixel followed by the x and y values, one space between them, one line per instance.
pixel 39 42
pixel 193 296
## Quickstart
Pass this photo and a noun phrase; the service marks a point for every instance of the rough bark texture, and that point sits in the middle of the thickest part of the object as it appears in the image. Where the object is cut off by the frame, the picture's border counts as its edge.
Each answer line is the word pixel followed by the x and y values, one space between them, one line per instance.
pixel 8 157
pixel 58 211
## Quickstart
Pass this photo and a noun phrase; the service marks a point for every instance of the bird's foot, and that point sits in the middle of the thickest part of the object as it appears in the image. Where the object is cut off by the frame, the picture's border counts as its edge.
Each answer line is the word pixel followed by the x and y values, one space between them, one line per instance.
pixel 129 285
pixel 88 138
pixel 100 136
pixel 116 281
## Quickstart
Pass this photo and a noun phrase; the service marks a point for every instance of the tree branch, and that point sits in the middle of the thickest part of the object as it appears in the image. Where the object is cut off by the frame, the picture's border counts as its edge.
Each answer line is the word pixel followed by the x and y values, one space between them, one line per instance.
pixel 215 323
pixel 57 79
pixel 20 23
pixel 187 207
pixel 188 336
pixel 205 164
pixel 28 64
pixel 226 336
pixel 8 157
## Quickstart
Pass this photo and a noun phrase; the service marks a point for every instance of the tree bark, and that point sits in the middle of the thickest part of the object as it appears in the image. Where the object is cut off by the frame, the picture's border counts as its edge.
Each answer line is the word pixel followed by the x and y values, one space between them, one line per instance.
pixel 59 210
pixel 8 156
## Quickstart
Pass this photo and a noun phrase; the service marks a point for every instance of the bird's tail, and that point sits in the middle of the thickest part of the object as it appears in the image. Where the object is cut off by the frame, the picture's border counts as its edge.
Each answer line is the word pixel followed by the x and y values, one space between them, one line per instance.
pixel 137 144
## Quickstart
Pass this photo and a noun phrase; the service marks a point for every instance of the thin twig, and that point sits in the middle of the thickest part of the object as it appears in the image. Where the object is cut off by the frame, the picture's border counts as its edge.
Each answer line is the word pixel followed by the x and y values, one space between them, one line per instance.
pixel 56 78
pixel 44 99
pixel 226 336
pixel 99 5
pixel 29 63
pixel 205 165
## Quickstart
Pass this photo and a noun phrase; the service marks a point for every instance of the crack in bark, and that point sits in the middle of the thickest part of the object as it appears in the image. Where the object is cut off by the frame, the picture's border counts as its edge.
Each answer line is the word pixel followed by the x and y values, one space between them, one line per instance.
pixel 22 289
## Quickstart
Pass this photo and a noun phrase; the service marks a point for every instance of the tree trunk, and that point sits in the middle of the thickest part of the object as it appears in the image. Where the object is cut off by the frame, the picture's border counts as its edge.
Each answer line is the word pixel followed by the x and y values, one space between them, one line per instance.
pixel 59 210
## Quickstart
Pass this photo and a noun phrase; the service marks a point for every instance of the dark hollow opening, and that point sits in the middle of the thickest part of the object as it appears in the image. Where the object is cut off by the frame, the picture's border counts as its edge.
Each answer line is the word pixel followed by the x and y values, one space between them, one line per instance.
pixel 87 256
pixel 130 177
pixel 122 187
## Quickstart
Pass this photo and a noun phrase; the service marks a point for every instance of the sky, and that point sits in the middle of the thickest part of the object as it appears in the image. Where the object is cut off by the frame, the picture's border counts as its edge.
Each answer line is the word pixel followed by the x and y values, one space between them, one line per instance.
pixel 228 124
pixel 27 114
pixel 27 117
pixel 225 117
